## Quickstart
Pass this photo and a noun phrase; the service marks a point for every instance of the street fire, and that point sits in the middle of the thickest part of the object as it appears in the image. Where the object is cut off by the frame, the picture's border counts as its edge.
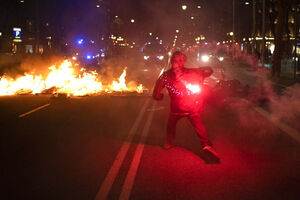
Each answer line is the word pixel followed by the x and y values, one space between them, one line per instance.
pixel 64 79
pixel 121 84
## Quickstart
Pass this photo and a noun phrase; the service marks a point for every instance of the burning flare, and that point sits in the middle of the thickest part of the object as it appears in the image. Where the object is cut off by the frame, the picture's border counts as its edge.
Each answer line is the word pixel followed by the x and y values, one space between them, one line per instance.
pixel 193 88
pixel 63 79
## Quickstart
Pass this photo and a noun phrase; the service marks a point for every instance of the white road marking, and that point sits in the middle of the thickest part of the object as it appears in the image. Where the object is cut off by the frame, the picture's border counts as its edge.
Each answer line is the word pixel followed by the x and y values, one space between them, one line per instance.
pixel 281 125
pixel 111 175
pixel 129 181
pixel 156 108
pixel 293 133
pixel 34 110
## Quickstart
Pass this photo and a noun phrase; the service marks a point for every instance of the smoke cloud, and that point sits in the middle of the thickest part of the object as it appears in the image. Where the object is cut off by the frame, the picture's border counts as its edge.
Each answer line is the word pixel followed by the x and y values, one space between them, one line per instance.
pixel 282 103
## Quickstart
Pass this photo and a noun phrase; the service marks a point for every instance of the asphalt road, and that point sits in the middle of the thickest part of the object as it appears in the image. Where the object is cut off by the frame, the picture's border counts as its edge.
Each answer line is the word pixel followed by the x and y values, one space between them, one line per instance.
pixel 110 147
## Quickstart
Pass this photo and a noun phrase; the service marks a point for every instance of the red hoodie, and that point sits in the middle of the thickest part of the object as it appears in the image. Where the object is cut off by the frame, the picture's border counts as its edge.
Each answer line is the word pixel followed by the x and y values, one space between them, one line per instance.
pixel 186 91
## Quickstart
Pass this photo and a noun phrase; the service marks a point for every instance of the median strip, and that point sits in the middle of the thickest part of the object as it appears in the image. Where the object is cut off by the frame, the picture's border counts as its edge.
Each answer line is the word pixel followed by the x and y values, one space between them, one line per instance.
pixel 34 110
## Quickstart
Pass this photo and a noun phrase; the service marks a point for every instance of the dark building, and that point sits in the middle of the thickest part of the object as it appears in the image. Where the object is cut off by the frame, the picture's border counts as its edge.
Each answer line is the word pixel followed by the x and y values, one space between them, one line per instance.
pixel 26 28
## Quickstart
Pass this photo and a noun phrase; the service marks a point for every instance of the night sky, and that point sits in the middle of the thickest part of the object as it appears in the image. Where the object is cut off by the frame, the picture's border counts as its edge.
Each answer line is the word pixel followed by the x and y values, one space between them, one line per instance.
pixel 71 18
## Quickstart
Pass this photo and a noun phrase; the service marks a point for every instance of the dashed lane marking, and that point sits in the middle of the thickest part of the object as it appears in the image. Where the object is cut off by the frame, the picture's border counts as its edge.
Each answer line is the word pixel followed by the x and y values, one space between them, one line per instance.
pixel 114 170
pixel 34 110
pixel 129 181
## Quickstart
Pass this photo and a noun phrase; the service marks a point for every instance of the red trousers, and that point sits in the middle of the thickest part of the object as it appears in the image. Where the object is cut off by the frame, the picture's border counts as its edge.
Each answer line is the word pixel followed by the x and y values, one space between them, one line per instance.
pixel 196 121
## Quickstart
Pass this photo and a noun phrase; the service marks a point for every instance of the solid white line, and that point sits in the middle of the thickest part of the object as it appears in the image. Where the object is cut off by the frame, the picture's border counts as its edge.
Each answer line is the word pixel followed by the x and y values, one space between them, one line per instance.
pixel 281 125
pixel 293 133
pixel 128 184
pixel 34 110
pixel 111 175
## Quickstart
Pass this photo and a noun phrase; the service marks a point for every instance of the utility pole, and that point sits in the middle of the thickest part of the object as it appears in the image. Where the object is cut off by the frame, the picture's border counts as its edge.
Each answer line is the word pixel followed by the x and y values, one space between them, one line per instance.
pixel 253 26
pixel 295 45
pixel 233 20
pixel 233 31
pixel 263 33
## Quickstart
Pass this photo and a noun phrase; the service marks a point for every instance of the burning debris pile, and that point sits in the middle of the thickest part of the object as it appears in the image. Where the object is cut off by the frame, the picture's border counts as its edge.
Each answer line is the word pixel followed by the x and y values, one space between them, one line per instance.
pixel 65 79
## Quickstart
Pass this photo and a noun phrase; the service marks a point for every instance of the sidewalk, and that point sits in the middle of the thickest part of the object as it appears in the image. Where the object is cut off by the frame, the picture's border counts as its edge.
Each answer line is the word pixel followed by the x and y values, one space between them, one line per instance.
pixel 250 76
pixel 283 110
pixel 287 79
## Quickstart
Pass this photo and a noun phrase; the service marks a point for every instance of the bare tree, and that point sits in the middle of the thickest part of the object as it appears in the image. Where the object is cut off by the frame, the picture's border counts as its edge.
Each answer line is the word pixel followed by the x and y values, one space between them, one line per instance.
pixel 282 10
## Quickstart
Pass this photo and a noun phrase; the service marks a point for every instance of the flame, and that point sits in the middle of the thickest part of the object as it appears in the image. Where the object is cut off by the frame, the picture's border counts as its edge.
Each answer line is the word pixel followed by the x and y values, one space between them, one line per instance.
pixel 64 79
pixel 140 89
pixel 121 84
pixel 27 83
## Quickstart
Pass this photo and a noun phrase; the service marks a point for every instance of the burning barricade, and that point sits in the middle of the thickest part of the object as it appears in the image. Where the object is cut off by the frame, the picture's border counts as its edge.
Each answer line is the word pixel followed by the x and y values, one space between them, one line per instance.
pixel 65 79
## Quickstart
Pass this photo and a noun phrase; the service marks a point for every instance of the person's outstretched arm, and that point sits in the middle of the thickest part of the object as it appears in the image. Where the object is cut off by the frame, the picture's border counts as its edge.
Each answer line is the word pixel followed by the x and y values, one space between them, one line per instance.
pixel 160 84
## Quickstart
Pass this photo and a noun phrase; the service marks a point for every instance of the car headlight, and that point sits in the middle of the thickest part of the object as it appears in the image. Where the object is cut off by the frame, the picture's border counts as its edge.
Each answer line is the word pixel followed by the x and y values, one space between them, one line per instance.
pixel 146 57
pixel 160 57
pixel 221 59
pixel 205 58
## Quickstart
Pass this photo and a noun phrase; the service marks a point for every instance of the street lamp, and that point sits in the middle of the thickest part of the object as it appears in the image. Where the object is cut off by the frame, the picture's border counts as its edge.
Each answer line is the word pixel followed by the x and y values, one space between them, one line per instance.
pixel 184 7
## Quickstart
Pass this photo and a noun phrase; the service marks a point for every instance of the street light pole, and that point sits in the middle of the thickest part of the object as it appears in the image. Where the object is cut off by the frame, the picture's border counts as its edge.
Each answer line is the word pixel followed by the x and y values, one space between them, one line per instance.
pixel 263 33
pixel 233 20
pixel 233 31
pixel 295 45
pixel 253 25
pixel 37 15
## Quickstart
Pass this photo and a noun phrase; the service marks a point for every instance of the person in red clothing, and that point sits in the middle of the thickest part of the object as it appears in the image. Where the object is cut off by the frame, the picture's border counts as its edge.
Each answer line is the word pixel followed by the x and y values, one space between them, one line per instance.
pixel 185 87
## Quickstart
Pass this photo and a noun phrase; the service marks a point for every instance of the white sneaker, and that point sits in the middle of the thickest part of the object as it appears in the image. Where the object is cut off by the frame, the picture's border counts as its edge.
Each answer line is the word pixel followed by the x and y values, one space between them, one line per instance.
pixel 168 146
pixel 210 149
pixel 211 153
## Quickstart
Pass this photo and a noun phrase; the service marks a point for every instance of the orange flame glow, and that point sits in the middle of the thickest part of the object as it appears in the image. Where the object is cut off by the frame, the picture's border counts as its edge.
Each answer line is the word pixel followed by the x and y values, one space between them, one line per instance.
pixel 121 84
pixel 63 79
